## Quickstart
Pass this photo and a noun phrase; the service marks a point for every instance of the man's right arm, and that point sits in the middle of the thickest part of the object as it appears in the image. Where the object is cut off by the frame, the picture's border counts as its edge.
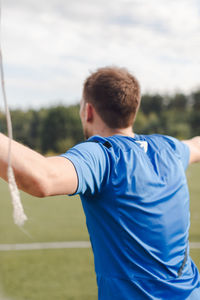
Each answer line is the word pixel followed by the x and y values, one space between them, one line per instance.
pixel 194 146
pixel 36 174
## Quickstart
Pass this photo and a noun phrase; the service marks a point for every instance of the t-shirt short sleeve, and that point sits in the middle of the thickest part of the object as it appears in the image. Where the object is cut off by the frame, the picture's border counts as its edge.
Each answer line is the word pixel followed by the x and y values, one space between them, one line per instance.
pixel 181 150
pixel 91 164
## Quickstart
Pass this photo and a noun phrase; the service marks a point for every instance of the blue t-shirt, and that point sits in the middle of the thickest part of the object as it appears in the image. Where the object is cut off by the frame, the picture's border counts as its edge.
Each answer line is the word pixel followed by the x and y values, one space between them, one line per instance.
pixel 135 197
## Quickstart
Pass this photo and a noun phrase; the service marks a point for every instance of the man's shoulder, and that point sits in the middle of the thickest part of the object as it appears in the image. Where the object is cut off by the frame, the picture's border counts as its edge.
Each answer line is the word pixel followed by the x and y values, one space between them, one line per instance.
pixel 162 140
pixel 95 148
pixel 117 142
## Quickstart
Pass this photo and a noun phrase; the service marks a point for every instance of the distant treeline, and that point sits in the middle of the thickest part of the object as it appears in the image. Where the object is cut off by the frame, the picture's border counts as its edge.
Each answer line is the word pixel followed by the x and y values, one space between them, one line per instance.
pixel 56 129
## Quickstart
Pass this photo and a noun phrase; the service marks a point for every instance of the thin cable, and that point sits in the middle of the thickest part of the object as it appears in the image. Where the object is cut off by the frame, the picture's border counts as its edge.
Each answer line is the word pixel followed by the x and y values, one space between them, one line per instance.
pixel 18 211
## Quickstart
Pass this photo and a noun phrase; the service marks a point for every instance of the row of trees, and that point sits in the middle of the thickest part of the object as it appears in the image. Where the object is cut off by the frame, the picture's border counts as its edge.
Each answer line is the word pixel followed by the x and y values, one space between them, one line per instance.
pixel 177 115
pixel 47 130
pixel 56 129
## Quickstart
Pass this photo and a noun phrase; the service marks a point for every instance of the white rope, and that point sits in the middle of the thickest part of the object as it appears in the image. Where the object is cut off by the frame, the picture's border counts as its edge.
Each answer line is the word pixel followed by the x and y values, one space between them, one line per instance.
pixel 18 212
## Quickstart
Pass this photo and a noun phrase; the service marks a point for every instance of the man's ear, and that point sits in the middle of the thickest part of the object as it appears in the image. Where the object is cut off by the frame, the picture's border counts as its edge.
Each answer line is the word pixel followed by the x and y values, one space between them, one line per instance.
pixel 89 112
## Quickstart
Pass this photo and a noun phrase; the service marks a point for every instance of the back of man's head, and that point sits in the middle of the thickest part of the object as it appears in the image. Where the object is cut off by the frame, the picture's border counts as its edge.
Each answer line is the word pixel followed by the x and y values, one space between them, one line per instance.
pixel 115 94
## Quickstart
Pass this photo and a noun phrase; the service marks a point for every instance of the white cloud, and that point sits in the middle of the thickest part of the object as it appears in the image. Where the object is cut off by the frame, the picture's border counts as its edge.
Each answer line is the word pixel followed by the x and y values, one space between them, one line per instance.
pixel 49 47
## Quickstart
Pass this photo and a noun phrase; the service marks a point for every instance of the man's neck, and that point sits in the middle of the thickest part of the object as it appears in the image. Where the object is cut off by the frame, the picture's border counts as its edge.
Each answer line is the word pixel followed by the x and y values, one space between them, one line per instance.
pixel 105 131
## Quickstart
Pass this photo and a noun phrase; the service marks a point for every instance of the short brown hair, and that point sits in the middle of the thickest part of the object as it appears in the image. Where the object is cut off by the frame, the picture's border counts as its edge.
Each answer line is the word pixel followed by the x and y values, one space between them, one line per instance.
pixel 115 94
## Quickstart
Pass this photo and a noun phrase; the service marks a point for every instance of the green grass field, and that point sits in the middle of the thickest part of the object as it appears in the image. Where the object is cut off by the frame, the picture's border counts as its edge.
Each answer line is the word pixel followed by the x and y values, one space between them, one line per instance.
pixel 63 274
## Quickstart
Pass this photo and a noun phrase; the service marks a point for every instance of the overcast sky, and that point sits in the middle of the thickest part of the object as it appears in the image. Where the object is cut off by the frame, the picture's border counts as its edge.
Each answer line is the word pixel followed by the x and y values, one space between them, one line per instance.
pixel 49 47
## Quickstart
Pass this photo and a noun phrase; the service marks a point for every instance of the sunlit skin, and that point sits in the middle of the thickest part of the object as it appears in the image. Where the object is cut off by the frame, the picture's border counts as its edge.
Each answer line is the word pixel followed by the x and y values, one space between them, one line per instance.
pixel 93 124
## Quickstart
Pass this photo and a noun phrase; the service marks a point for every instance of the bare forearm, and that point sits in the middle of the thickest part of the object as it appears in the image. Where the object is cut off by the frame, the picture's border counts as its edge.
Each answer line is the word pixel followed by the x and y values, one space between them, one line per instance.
pixel 29 166
pixel 194 145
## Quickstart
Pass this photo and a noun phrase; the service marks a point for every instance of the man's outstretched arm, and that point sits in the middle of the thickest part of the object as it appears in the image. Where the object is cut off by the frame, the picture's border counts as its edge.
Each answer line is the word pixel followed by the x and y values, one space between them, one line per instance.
pixel 194 145
pixel 36 174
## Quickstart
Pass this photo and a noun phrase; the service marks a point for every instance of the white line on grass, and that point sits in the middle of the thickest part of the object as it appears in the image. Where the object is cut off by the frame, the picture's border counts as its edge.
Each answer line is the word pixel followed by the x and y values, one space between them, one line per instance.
pixel 194 245
pixel 40 246
pixel 2 295
pixel 60 245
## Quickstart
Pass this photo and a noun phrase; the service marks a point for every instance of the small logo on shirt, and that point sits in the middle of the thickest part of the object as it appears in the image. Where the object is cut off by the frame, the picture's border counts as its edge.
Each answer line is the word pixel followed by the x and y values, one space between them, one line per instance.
pixel 143 145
